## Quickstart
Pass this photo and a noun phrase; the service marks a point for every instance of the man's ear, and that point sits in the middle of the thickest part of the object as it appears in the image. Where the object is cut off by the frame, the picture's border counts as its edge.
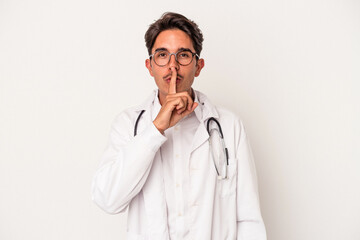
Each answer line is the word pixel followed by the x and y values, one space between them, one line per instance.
pixel 148 66
pixel 199 65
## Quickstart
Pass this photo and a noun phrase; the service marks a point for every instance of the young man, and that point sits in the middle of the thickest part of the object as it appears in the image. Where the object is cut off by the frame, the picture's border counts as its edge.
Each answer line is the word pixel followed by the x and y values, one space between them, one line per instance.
pixel 166 159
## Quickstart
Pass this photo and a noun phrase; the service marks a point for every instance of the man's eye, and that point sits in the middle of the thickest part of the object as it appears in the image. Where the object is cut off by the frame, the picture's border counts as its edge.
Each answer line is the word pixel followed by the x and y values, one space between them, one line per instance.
pixel 184 55
pixel 162 54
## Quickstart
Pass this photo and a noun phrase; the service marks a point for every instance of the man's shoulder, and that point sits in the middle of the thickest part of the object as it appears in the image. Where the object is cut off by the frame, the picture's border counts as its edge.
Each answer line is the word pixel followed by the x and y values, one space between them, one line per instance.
pixel 229 118
pixel 126 113
pixel 226 113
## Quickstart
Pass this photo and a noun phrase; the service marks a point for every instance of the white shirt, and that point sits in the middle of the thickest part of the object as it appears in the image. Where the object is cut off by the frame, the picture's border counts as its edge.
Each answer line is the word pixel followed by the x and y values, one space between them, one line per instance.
pixel 140 173
pixel 175 154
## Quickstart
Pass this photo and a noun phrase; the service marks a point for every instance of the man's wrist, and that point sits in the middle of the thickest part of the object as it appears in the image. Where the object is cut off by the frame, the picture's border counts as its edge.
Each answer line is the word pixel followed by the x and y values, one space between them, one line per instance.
pixel 158 128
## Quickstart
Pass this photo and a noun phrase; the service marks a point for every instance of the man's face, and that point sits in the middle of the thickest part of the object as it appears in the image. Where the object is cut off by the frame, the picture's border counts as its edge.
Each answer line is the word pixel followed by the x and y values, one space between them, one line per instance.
pixel 173 40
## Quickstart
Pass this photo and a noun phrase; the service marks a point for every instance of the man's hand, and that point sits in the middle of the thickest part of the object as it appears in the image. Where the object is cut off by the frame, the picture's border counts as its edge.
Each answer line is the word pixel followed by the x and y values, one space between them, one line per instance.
pixel 175 107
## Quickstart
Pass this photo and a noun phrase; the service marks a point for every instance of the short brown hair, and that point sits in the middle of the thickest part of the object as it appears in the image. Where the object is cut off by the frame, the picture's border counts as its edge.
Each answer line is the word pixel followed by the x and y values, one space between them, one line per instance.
pixel 171 20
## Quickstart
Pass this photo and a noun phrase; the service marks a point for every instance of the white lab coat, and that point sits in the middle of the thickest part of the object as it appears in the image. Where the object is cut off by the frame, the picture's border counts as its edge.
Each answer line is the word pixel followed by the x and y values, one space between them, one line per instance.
pixel 130 175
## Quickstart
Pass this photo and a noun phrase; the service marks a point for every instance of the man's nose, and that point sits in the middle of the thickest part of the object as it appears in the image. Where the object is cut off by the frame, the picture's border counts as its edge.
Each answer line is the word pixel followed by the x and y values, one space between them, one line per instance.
pixel 173 62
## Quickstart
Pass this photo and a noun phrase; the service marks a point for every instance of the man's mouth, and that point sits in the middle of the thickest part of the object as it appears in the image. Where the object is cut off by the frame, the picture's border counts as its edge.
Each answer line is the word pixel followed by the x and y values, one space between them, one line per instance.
pixel 169 79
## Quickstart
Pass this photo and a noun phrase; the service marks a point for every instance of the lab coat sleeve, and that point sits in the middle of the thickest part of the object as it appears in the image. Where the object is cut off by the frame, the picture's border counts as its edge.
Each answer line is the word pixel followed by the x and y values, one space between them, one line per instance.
pixel 250 225
pixel 125 165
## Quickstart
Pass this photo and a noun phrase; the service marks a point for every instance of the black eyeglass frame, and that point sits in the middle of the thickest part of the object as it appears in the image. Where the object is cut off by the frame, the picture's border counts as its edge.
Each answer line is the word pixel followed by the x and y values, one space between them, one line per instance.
pixel 175 54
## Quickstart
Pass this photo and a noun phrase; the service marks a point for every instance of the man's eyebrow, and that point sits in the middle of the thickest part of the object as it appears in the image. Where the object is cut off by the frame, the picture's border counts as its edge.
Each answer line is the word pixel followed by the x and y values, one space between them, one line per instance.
pixel 184 49
pixel 160 49
pixel 179 49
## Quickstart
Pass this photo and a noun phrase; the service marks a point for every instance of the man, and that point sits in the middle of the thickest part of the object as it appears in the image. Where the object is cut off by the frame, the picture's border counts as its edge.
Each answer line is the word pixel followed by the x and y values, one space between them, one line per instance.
pixel 165 159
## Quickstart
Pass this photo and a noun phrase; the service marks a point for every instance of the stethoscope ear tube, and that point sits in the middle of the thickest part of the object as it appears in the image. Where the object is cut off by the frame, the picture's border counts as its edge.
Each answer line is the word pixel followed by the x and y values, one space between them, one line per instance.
pixel 227 156
pixel 221 134
pixel 137 121
pixel 208 126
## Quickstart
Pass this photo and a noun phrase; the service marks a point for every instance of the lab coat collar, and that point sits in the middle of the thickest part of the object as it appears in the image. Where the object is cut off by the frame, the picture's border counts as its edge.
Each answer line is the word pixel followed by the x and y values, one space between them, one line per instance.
pixel 147 103
pixel 204 111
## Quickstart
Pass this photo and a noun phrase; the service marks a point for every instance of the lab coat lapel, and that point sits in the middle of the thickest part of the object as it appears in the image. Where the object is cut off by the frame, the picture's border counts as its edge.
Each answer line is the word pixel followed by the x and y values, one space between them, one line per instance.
pixel 206 110
pixel 201 136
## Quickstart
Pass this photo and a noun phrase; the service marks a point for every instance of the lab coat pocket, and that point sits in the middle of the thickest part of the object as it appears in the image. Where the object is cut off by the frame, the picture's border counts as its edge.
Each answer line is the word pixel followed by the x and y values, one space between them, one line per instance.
pixel 228 185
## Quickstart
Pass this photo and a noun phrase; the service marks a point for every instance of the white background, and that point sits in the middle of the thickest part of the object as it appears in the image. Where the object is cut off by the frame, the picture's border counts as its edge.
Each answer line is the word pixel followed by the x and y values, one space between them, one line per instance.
pixel 290 69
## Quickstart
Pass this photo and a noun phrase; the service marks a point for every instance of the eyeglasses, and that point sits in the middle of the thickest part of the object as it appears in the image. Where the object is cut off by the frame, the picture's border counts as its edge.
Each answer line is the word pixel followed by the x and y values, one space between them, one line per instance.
pixel 182 57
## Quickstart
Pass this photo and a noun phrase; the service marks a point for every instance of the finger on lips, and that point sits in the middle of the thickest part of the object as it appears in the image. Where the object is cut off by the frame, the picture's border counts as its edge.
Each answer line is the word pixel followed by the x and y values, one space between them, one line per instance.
pixel 172 86
pixel 186 102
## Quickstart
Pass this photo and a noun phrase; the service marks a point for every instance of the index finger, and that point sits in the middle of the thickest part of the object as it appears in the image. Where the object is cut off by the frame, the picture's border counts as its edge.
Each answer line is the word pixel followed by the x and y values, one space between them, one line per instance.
pixel 172 86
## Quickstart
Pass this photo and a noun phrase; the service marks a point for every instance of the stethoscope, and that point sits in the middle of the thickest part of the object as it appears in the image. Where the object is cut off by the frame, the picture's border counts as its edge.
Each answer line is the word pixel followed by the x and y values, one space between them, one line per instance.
pixel 223 160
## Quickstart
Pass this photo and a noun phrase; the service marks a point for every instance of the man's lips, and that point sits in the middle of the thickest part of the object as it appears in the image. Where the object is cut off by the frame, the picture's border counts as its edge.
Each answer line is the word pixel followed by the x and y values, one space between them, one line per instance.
pixel 169 79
